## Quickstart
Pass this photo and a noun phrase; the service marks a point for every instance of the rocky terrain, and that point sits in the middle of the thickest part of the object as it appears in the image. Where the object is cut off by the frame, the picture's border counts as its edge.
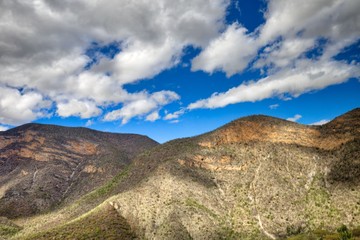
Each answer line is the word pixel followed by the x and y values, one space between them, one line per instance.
pixel 42 166
pixel 255 178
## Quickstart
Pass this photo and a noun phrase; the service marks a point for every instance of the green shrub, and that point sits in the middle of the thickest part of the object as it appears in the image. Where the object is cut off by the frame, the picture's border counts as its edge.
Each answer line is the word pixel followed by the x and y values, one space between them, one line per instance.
pixel 344 232
pixel 8 230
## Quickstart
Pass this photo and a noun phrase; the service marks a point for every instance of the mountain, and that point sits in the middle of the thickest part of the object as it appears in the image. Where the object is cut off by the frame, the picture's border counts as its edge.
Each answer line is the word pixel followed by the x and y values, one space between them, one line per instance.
pixel 257 177
pixel 42 166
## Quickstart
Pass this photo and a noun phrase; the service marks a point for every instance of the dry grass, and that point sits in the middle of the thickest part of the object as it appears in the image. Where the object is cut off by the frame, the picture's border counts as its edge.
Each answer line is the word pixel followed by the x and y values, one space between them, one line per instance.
pixel 102 223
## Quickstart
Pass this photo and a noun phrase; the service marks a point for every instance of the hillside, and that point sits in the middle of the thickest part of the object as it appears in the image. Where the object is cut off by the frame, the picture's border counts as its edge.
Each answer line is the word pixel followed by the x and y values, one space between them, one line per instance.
pixel 255 178
pixel 42 166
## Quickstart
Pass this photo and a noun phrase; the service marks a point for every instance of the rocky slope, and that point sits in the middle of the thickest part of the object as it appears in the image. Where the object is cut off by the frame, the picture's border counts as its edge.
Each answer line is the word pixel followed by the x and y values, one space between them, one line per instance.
pixel 255 178
pixel 42 166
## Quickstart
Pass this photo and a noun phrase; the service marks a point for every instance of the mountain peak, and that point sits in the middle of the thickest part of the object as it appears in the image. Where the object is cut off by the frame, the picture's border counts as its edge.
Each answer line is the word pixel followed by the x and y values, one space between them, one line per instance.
pixel 60 161
pixel 261 128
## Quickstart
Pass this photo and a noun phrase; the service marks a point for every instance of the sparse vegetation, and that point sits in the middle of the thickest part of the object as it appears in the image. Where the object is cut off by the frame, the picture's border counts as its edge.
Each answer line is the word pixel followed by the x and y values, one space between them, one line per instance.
pixel 232 183
pixel 106 189
pixel 342 233
pixel 56 165
pixel 7 231
pixel 193 203
pixel 104 223
pixel 8 228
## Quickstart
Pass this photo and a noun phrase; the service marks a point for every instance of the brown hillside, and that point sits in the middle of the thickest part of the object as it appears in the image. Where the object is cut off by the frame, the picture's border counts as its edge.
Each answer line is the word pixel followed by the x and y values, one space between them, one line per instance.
pixel 42 166
pixel 268 129
pixel 255 178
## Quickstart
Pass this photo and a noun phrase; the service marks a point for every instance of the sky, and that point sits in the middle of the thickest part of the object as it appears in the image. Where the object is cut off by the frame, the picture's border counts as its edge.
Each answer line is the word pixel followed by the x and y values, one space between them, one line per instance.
pixel 179 68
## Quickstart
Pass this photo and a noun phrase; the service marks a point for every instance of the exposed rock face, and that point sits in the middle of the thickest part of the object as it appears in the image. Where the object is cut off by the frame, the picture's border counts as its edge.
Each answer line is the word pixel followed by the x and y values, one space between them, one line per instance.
pixel 42 166
pixel 255 178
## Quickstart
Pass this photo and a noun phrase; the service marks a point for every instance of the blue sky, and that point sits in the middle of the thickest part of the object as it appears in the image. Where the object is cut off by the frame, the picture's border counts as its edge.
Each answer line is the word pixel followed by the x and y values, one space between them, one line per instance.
pixel 171 69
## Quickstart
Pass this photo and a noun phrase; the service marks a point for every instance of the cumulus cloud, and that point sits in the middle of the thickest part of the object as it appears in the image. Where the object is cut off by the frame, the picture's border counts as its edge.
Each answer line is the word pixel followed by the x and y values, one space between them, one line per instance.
pixel 294 118
pixel 174 115
pixel 79 108
pixel 306 76
pixel 300 26
pixel 43 45
pixel 142 106
pixel 335 19
pixel 153 116
pixel 18 107
pixel 282 54
pixel 141 61
pixel 291 29
pixel 230 52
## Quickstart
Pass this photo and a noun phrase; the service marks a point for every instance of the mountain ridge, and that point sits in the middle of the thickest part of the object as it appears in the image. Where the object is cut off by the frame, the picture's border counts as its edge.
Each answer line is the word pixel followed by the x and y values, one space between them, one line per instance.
pixel 43 165
pixel 254 178
pixel 230 179
pixel 51 127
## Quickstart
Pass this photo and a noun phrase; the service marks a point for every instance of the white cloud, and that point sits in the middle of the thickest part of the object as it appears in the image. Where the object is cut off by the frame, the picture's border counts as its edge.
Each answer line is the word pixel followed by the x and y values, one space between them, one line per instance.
pixel 3 128
pixel 100 88
pixel 282 54
pixel 306 76
pixel 301 25
pixel 42 46
pixel 321 122
pixel 141 60
pixel 142 106
pixel 294 118
pixel 230 52
pixel 291 28
pixel 20 107
pixel 335 19
pixel 79 108
pixel 274 106
pixel 175 115
pixel 89 123
pixel 152 116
